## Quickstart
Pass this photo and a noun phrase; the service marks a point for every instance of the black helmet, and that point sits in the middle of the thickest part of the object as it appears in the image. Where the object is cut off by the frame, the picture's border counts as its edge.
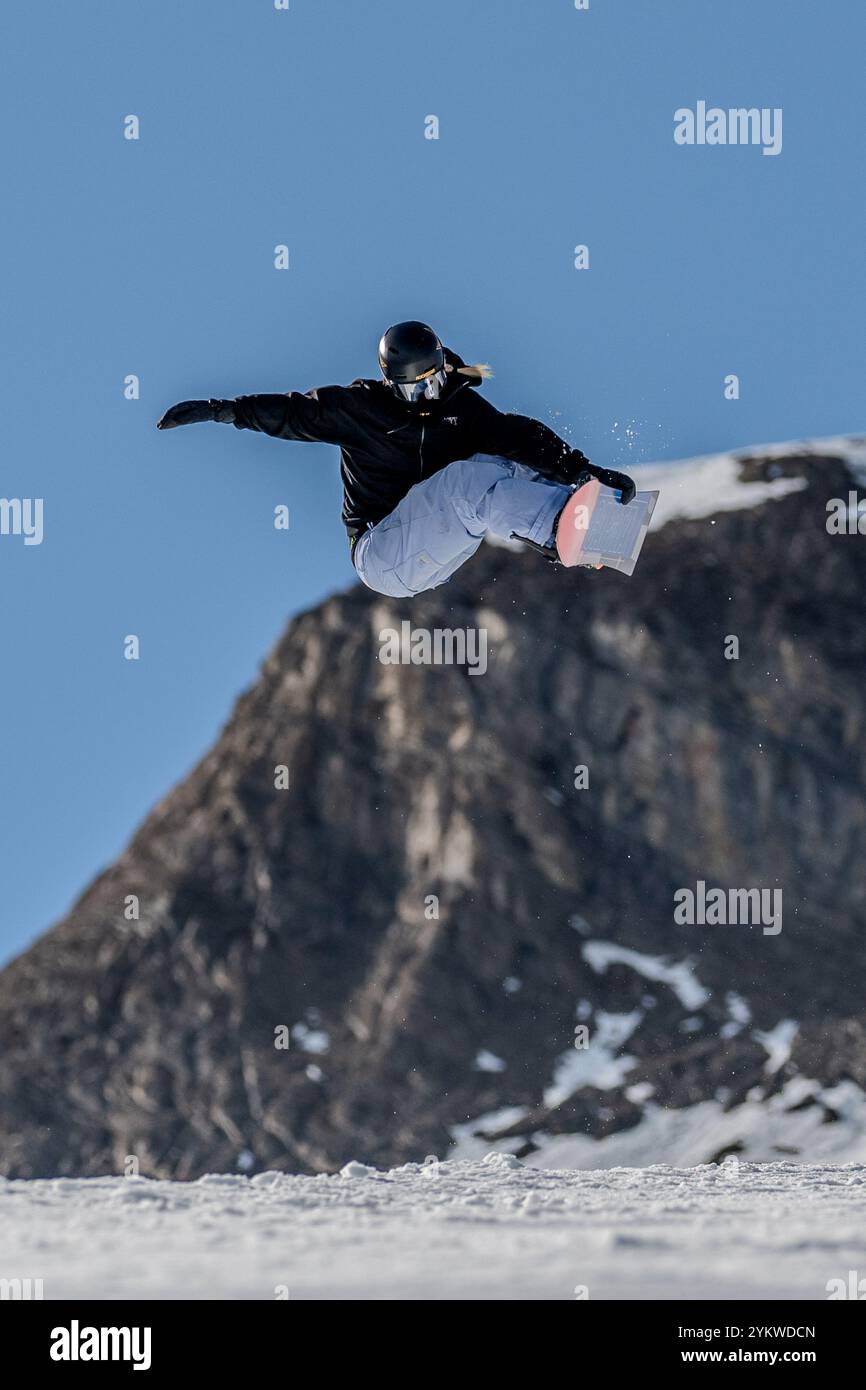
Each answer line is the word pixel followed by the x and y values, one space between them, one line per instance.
pixel 412 360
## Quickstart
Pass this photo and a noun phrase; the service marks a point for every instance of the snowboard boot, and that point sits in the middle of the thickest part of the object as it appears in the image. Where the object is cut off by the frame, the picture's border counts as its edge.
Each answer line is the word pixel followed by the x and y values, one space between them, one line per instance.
pixel 549 551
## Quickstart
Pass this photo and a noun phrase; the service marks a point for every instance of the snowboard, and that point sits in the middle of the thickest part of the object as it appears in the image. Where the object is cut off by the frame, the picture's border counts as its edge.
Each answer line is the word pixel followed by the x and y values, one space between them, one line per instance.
pixel 595 530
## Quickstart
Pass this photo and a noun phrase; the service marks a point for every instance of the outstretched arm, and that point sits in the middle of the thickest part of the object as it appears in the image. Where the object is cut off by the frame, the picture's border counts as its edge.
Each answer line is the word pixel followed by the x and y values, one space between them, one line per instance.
pixel 313 416
pixel 524 440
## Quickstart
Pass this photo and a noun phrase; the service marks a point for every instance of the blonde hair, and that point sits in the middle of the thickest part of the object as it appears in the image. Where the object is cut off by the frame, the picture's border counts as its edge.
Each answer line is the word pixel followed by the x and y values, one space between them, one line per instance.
pixel 478 371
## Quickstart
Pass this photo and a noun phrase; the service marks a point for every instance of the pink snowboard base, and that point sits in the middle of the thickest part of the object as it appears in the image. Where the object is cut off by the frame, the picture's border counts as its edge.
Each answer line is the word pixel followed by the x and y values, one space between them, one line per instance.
pixel 574 523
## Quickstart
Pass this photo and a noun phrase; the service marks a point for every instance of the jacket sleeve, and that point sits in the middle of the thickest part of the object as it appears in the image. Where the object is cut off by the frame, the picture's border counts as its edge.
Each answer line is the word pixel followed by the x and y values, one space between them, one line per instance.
pixel 524 440
pixel 311 416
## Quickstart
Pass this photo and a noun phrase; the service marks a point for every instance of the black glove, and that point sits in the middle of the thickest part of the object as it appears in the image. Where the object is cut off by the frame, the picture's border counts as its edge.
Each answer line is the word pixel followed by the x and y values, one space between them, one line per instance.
pixel 620 482
pixel 195 412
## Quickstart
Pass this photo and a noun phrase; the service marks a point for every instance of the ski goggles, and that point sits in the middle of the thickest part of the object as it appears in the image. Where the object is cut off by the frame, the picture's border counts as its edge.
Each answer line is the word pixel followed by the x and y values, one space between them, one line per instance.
pixel 427 387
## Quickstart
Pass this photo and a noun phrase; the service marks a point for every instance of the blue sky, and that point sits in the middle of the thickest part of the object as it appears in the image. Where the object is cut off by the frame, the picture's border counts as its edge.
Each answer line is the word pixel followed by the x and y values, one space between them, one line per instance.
pixel 306 127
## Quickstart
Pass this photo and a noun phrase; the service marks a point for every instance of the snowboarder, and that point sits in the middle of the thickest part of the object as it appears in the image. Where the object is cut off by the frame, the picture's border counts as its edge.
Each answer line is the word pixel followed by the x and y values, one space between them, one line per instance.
pixel 428 465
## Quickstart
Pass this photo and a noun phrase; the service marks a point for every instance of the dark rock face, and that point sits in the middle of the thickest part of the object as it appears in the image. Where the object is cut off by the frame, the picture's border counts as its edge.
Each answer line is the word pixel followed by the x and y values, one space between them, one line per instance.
pixel 309 908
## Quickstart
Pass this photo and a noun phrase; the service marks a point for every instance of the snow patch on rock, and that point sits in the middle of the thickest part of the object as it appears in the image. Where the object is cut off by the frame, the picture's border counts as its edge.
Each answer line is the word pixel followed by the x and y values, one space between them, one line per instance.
pixel 704 486
pixel 803 1121
pixel 680 976
pixel 598 1064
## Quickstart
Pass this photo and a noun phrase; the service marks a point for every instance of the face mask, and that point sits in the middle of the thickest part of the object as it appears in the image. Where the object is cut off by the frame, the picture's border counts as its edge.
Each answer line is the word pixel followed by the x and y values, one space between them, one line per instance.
pixel 427 388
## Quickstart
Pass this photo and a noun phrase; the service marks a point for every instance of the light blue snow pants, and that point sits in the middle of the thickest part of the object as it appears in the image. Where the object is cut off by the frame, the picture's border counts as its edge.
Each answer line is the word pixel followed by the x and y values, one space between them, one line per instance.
pixel 442 521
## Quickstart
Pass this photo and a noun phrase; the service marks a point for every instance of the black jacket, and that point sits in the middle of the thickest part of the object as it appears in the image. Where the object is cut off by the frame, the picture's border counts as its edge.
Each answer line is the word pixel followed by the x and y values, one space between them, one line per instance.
pixel 387 445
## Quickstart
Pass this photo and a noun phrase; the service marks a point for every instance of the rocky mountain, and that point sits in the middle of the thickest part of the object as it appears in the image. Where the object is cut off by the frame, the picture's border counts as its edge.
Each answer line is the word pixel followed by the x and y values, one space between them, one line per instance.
pixel 379 909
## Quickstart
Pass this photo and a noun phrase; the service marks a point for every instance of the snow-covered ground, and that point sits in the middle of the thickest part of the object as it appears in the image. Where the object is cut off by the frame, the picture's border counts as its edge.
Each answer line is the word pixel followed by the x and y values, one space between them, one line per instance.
pixel 492 1228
